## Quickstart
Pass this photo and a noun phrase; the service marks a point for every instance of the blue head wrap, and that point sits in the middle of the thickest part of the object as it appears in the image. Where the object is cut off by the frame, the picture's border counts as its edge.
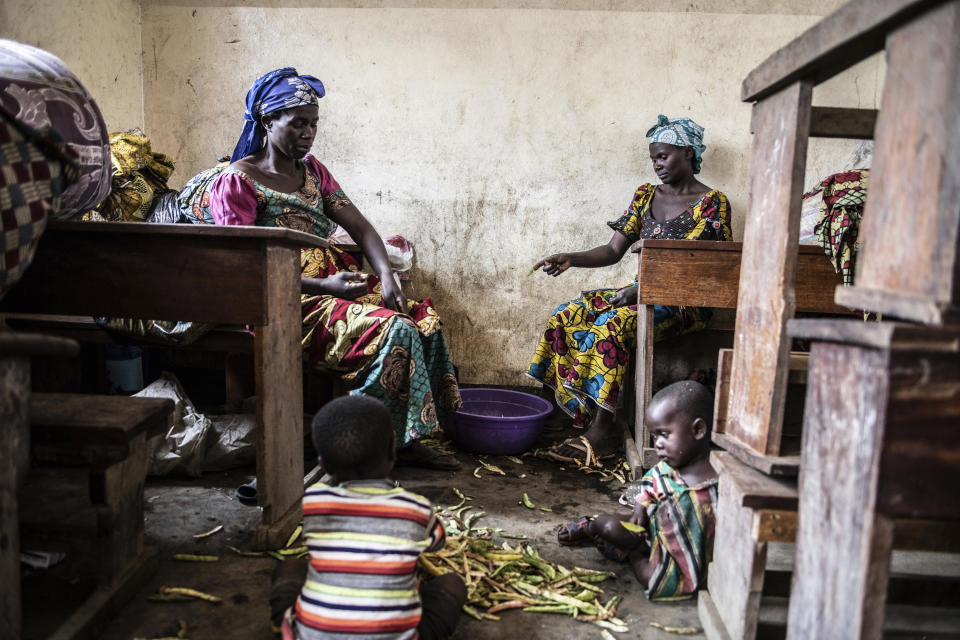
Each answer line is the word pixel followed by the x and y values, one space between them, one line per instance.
pixel 680 132
pixel 279 89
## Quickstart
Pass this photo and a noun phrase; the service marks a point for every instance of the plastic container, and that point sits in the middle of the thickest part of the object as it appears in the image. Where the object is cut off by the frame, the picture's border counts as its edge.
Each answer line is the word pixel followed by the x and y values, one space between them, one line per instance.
pixel 124 368
pixel 497 421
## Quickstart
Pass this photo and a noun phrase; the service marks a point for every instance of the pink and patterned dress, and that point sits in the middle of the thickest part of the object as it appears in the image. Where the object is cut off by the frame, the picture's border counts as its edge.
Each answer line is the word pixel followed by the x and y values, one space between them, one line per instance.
pixel 399 359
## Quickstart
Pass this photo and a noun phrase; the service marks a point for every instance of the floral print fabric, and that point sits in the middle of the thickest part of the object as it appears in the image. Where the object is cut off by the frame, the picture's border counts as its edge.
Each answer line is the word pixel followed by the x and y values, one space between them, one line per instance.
pixel 583 354
pixel 400 359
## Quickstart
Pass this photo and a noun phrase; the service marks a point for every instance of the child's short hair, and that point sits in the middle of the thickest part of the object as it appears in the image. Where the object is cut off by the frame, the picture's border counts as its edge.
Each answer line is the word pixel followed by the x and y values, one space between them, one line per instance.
pixel 691 398
pixel 352 432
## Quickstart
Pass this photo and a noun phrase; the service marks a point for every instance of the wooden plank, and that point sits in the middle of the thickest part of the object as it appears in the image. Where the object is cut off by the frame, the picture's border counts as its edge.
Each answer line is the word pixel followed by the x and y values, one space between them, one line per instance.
pixel 119 494
pixel 691 276
pixel 735 579
pixel 83 268
pixel 14 457
pixel 722 394
pixel 898 305
pixel 710 618
pixel 815 277
pixel 757 490
pixel 910 234
pixel 101 608
pixel 276 235
pixel 926 535
pixel 644 381
pixel 929 536
pixel 80 419
pixel 707 274
pixel 898 620
pixel 769 269
pixel 839 588
pixel 921 435
pixel 892 336
pixel 850 34
pixel 775 525
pixel 233 339
pixel 36 345
pixel 278 357
pixel 838 122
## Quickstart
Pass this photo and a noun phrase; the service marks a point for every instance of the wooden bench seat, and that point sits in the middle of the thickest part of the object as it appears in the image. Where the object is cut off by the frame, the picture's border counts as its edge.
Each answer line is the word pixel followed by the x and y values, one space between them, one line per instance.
pixel 755 510
pixel 107 434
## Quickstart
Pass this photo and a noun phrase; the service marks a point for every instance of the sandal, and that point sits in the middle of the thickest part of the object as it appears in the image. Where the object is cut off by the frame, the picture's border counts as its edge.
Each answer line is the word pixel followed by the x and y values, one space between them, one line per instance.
pixel 575 533
pixel 569 450
pixel 417 454
pixel 247 493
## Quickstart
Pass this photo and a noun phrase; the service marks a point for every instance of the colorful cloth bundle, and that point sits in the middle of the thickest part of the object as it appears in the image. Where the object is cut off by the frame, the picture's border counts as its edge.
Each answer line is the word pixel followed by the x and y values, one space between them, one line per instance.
pixel 844 196
pixel 138 175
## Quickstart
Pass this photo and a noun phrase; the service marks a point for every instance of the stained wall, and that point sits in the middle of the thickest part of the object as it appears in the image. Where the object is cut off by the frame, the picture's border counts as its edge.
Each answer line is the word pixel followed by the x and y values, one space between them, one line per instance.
pixel 489 132
pixel 99 40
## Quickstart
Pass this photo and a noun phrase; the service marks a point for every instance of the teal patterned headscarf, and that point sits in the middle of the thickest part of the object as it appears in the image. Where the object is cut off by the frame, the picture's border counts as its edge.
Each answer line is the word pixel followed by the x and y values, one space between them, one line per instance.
pixel 680 132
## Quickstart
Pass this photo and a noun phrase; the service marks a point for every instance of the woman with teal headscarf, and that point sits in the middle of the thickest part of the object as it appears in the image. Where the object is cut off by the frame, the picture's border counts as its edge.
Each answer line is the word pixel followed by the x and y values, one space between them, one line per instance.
pixel 584 352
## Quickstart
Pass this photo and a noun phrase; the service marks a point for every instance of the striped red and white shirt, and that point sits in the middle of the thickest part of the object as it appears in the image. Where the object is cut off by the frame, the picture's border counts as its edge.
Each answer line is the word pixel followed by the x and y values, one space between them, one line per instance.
pixel 364 538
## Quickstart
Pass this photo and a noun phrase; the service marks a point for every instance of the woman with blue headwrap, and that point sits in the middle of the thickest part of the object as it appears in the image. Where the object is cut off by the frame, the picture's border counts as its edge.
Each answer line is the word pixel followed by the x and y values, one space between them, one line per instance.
pixel 360 327
pixel 584 352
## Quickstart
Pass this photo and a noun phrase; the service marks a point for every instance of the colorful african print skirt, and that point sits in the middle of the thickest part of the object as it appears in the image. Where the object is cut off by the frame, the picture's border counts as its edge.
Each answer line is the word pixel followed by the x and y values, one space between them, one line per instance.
pixel 584 352
pixel 399 359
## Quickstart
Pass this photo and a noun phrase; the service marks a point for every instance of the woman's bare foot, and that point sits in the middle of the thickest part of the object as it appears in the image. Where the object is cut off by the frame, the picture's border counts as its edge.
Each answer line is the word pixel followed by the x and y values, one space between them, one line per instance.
pixel 601 440
pixel 603 434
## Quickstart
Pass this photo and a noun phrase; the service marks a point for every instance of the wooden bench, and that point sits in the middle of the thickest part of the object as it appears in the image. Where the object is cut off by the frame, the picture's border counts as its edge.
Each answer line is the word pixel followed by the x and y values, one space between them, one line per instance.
pixel 707 274
pixel 108 435
pixel 881 445
pixel 222 275
pixel 16 351
pixel 754 510
pixel 880 425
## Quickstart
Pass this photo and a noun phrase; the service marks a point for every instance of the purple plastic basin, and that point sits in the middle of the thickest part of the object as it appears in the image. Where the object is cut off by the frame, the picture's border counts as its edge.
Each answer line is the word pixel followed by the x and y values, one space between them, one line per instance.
pixel 497 421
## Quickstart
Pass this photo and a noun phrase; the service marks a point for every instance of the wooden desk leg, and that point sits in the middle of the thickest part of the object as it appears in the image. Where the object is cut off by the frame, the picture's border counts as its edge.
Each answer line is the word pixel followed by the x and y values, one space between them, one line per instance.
pixel 843 545
pixel 768 270
pixel 239 380
pixel 117 491
pixel 15 447
pixel 279 379
pixel 644 382
pixel 735 577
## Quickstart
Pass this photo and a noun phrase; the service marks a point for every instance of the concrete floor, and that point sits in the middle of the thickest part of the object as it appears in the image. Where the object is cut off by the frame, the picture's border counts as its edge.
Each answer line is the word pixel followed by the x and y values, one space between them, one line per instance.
pixel 176 509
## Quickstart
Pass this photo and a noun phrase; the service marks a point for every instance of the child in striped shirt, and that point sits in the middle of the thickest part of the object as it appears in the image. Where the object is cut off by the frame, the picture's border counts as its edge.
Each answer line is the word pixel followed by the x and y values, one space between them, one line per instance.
pixel 364 535
pixel 675 503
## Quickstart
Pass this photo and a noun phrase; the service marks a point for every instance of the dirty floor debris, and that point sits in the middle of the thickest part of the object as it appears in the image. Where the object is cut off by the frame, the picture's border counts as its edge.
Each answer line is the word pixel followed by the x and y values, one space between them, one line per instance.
pixel 178 509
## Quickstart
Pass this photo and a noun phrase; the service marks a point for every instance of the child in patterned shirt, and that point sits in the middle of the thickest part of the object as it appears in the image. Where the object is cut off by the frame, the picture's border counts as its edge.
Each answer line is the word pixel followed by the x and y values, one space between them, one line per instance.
pixel 364 535
pixel 675 504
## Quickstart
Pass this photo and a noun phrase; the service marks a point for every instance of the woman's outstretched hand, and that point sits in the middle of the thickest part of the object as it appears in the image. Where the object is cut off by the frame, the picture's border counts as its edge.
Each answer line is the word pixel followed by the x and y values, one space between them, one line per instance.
pixel 554 265
pixel 624 297
pixel 393 297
